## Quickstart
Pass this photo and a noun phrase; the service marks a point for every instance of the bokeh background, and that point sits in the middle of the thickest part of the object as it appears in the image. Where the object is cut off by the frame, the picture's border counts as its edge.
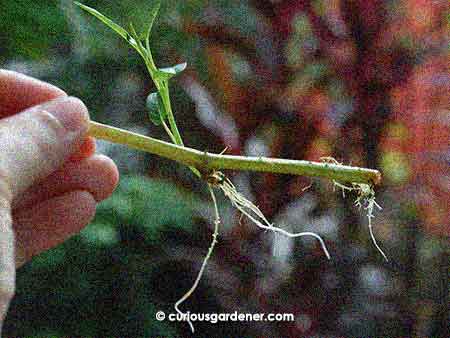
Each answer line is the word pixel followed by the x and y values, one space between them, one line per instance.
pixel 365 81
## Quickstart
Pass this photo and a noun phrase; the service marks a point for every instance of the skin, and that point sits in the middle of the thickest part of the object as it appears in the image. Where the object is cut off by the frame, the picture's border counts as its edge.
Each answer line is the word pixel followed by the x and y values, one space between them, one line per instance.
pixel 50 178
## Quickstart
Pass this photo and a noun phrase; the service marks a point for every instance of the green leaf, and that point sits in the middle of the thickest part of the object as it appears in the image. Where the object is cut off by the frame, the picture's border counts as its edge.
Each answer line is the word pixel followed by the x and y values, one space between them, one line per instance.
pixel 165 74
pixel 111 24
pixel 155 107
pixel 153 13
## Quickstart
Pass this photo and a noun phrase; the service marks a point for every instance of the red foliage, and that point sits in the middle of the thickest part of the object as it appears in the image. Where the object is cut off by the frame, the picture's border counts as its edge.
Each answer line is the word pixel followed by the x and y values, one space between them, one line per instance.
pixel 421 106
pixel 369 85
pixel 373 49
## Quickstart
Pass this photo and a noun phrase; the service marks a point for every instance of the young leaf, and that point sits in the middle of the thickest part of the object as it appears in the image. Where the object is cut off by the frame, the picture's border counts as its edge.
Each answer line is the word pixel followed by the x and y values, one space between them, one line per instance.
pixel 153 13
pixel 167 73
pixel 111 24
pixel 155 108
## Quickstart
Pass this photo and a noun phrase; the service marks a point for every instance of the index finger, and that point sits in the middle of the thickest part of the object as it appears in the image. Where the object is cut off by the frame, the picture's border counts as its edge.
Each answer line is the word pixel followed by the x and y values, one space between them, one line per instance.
pixel 19 92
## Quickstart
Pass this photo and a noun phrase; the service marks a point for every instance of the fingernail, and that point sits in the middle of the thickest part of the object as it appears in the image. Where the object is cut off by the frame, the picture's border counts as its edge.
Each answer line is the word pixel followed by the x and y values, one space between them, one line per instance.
pixel 70 112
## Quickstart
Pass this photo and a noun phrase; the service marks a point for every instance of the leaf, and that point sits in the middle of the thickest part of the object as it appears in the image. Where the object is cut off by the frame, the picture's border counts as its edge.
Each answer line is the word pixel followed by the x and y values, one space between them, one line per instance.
pixel 167 73
pixel 153 13
pixel 111 24
pixel 155 107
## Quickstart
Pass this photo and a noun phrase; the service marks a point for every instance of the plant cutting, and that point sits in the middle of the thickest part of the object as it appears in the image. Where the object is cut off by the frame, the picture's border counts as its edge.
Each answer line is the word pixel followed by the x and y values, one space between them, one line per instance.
pixel 207 166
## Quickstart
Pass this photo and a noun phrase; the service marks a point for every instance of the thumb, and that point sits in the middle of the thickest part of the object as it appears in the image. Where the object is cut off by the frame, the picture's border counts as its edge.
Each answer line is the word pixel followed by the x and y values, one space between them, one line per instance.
pixel 37 141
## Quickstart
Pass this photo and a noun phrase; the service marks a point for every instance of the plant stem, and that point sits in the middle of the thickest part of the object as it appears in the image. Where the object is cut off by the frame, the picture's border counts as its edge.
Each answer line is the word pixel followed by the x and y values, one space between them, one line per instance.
pixel 166 101
pixel 206 162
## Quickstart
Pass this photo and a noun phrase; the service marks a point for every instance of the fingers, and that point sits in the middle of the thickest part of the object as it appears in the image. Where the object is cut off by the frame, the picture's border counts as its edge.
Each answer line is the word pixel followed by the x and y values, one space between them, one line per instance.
pixel 51 222
pixel 61 205
pixel 97 174
pixel 37 141
pixel 19 92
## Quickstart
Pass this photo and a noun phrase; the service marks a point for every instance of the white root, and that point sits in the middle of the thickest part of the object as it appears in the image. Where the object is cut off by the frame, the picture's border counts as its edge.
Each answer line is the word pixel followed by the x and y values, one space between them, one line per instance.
pixel 366 196
pixel 366 199
pixel 256 216
pixel 205 260
pixel 248 209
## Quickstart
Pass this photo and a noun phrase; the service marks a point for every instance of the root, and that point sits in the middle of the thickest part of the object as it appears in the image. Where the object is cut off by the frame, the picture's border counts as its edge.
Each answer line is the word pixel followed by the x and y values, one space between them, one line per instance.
pixel 250 210
pixel 205 260
pixel 365 198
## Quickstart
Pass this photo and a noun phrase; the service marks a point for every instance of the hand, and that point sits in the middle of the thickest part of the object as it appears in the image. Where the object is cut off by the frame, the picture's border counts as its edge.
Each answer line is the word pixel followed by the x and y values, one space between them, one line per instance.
pixel 50 180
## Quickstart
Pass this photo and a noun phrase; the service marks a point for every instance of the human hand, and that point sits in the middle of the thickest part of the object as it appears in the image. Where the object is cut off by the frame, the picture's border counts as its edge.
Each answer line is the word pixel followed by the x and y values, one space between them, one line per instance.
pixel 50 179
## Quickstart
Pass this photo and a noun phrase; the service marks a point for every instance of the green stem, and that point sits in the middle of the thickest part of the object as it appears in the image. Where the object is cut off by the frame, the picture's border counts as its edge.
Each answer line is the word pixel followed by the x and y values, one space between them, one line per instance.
pixel 173 125
pixel 207 162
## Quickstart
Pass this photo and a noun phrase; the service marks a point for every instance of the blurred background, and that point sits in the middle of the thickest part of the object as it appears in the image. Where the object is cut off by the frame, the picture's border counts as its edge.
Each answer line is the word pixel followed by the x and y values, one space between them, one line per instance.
pixel 366 82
